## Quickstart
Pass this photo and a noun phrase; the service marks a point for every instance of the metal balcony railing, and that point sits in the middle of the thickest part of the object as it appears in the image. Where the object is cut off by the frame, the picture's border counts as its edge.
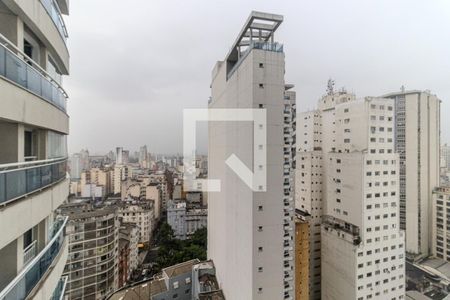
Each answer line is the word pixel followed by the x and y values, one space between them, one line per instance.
pixel 21 286
pixel 21 179
pixel 55 14
pixel 29 252
pixel 17 67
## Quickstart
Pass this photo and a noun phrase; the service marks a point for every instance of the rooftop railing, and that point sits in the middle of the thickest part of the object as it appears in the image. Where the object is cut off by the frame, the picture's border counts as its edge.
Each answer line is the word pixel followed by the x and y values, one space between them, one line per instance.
pixel 19 68
pixel 30 276
pixel 21 179
pixel 55 14
pixel 266 46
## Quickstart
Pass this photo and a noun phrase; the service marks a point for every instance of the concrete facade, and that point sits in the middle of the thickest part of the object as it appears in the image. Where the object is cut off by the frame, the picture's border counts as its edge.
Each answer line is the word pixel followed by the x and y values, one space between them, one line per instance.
pixel 246 229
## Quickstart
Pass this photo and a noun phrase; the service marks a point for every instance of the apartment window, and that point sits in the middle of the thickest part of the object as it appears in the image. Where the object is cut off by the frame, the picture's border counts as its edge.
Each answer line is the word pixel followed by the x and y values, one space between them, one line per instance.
pixel 261 65
pixel 260 249
pixel 260 207
pixel 261 85
pixel 260 269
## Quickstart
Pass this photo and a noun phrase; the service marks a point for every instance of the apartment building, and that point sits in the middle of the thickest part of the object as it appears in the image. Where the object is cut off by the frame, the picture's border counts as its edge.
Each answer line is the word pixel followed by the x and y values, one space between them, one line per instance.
pixel 140 213
pixel 98 177
pixel 92 263
pixel 34 125
pixel 362 246
pixel 440 244
pixel 252 231
pixel 184 220
pixel 417 141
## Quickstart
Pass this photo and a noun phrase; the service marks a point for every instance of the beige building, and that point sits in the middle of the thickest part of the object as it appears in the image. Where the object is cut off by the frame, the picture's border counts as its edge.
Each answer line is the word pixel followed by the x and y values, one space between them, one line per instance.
pixel 302 240
pixel 91 266
pixel 97 177
pixel 440 243
pixel 417 141
pixel 34 125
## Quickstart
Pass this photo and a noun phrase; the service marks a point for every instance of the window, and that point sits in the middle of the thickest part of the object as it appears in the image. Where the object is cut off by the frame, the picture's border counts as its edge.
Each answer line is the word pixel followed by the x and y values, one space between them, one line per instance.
pixel 261 65
pixel 260 269
pixel 261 85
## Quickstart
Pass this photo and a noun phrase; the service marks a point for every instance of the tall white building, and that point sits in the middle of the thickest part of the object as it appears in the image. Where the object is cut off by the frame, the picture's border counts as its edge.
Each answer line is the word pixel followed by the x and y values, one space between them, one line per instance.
pixel 119 156
pixel 33 154
pixel 250 234
pixel 347 175
pixel 417 141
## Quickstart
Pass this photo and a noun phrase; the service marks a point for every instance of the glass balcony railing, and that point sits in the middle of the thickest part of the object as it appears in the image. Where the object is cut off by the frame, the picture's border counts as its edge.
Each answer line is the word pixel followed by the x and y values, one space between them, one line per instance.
pixel 20 179
pixel 22 70
pixel 54 12
pixel 58 294
pixel 31 275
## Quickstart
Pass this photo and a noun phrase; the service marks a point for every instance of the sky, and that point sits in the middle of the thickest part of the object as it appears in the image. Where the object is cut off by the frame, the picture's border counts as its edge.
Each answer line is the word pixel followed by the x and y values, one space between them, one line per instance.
pixel 136 64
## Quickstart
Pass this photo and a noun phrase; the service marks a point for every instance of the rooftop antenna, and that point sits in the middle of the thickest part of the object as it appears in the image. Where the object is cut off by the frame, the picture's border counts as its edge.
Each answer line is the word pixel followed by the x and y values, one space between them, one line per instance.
pixel 330 87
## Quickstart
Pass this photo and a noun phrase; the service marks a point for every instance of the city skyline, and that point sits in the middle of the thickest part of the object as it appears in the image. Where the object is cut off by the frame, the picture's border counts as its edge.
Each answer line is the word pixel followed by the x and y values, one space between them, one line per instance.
pixel 366 54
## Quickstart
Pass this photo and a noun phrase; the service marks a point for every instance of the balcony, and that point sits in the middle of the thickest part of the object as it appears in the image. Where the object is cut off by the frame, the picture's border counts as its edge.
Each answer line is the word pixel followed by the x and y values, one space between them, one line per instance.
pixel 55 14
pixel 33 273
pixel 21 179
pixel 58 294
pixel 18 68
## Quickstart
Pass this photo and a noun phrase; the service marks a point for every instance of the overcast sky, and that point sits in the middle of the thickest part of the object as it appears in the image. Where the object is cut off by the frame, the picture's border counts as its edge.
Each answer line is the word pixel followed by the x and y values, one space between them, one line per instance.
pixel 136 64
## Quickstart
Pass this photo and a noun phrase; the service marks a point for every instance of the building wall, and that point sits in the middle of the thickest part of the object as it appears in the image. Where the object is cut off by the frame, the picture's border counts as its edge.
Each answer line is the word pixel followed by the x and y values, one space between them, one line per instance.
pixel 234 219
pixel 302 258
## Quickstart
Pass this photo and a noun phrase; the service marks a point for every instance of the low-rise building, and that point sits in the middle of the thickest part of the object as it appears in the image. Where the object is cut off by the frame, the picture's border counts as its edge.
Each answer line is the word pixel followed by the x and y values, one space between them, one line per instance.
pixel 440 244
pixel 185 281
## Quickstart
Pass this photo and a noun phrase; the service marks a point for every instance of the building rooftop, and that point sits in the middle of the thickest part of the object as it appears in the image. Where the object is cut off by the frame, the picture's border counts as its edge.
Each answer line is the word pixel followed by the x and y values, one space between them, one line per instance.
pixel 179 269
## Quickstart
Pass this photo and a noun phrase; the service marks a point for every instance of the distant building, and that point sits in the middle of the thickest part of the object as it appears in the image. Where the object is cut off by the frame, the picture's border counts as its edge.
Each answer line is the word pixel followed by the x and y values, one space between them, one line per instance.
pixel 417 141
pixel 130 232
pixel 185 221
pixel 92 264
pixel 140 213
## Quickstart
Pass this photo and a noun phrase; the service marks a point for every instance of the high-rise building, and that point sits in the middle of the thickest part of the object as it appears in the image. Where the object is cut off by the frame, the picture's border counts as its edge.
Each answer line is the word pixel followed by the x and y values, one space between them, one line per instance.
pixel 445 157
pixel 92 264
pixel 119 156
pixel 143 155
pixel 250 233
pixel 33 154
pixel 417 141
pixel 361 217
pixel 347 179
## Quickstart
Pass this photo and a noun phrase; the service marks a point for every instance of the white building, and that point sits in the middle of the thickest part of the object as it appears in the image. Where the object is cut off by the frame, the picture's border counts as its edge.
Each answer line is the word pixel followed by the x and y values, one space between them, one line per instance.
pixel 142 215
pixel 185 221
pixel 361 223
pixel 33 154
pixel 249 232
pixel 417 141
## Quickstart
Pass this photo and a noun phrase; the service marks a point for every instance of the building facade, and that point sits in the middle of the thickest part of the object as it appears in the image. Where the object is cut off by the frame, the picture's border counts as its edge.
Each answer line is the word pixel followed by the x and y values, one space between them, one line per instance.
pixel 302 240
pixel 34 125
pixel 440 244
pixel 248 230
pixel 417 141
pixel 139 213
pixel 362 250
pixel 92 263
pixel 185 221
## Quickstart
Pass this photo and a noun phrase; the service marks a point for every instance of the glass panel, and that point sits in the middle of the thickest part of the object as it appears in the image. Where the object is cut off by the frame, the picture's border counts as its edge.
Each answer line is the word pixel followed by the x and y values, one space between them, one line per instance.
pixel 15 184
pixel 57 145
pixel 2 61
pixel 34 80
pixel 46 175
pixel 33 179
pixel 2 188
pixel 46 89
pixel 16 69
